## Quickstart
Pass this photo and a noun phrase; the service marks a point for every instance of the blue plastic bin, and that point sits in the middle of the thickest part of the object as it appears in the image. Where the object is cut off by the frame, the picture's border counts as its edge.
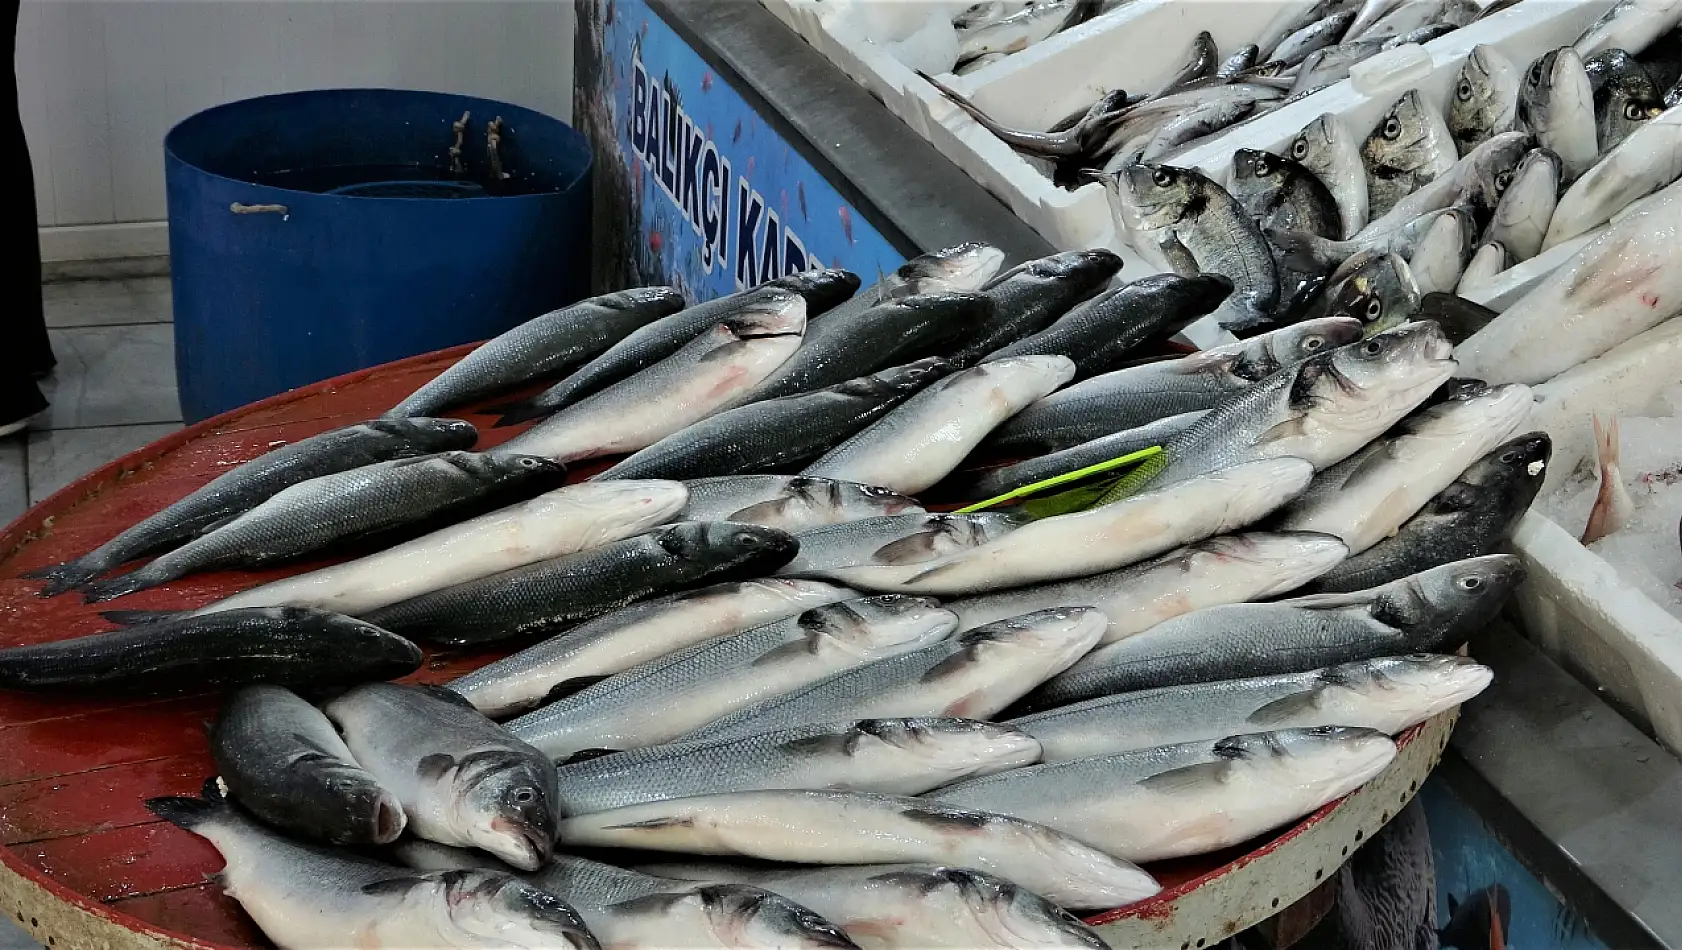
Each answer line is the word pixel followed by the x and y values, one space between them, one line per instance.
pixel 316 233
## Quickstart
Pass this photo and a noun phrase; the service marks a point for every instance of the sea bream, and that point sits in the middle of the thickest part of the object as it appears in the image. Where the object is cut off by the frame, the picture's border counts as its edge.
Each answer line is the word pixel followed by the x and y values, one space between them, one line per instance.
pixel 1191 798
pixel 1448 244
pixel 1488 261
pixel 639 633
pixel 670 696
pixel 708 374
pixel 246 486
pixel 1431 611
pixel 1409 147
pixel 860 828
pixel 1375 287
pixel 1625 97
pixel 305 897
pixel 1485 101
pixel 462 779
pixel 904 756
pixel 973 676
pixel 1228 569
pixel 556 342
pixel 1526 210
pixel 1329 150
pixel 790 502
pixel 364 505
pixel 1388 694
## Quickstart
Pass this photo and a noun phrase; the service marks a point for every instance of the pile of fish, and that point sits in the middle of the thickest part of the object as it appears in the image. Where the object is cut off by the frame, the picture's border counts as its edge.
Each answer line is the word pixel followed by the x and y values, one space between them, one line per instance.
pixel 961 36
pixel 748 637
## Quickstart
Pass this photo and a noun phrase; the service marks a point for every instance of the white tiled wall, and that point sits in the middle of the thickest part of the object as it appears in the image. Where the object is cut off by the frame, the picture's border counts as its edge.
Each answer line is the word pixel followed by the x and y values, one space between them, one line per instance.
pixel 101 81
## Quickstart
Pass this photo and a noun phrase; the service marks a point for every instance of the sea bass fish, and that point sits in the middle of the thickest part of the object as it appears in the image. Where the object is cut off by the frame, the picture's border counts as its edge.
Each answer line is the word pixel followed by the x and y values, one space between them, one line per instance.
pixel 997 481
pixel 956 269
pixel 790 502
pixel 1649 159
pixel 1556 102
pixel 1028 297
pixel 895 539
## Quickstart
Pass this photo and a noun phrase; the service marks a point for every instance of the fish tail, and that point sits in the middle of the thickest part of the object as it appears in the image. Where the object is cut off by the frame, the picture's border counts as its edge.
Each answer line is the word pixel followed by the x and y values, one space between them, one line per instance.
pixel 1604 517
pixel 119 586
pixel 1135 481
pixel 514 413
pixel 186 813
pixel 131 618
pixel 62 577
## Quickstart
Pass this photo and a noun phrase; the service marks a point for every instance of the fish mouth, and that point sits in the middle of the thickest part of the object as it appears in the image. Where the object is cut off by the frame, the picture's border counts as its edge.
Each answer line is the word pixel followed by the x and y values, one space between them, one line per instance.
pixel 534 848
pixel 389 821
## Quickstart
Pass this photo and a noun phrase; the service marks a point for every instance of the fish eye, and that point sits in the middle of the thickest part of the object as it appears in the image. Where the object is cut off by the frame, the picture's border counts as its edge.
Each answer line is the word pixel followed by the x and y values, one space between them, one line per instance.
pixel 1463 92
pixel 1162 177
pixel 1371 347
pixel 529 462
pixel 1535 77
pixel 524 796
pixel 1509 457
pixel 1299 148
pixel 1312 343
pixel 1263 166
pixel 1634 112
pixel 1470 583
pixel 1375 307
pixel 1392 128
pixel 1503 180
pixel 747 540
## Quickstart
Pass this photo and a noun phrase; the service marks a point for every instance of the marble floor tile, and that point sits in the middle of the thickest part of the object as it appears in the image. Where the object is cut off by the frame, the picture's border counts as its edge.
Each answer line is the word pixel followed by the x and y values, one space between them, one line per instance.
pixel 58 458
pixel 87 303
pixel 110 376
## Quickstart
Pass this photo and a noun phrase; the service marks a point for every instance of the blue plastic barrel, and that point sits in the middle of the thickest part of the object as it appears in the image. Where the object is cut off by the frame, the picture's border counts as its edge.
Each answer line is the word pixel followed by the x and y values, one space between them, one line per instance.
pixel 316 233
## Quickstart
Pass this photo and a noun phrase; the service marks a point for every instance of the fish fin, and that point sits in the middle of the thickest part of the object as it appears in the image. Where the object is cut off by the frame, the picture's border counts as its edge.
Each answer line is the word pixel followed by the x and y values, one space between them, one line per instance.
pixel 184 812
pixel 950 666
pixel 1604 517
pixel 653 823
pixel 961 819
pixel 445 694
pixel 1290 428
pixel 783 651
pixel 826 744
pixel 61 577
pixel 393 885
pixel 435 766
pixel 130 618
pixel 907 550
pixel 1459 317
pixel 1186 779
pixel 1286 709
pixel 112 588
pixel 585 755
pixel 512 414
pixel 567 687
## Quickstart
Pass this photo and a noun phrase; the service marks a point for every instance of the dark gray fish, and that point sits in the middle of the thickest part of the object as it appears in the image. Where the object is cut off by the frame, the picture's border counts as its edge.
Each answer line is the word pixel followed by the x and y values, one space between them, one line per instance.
pixel 958 268
pixel 1470 518
pixel 1428 612
pixel 380 501
pixel 1625 97
pixel 1030 296
pixel 1293 49
pixel 1485 99
pixel 1379 291
pixel 894 332
pixel 558 594
pixel 1100 334
pixel 1242 59
pixel 1387 892
pixel 1079 138
pixel 823 289
pixel 235 492
pixel 1280 192
pixel 990 483
pixel 556 342
pixel 1408 148
pixel 1421 35
pixel 1202 63
pixel 779 435
pixel 286 645
pixel 282 760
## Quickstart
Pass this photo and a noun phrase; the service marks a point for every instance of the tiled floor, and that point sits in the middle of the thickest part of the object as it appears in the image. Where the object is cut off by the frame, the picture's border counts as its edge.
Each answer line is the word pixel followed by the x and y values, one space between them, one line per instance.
pixel 113 390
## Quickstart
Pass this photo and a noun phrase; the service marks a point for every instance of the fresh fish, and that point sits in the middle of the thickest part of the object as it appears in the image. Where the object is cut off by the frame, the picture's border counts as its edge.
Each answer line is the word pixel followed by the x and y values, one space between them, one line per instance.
pixel 895 539
pixel 1027 298
pixel 959 268
pixel 564 521
pixel 1649 159
pixel 1422 15
pixel 639 633
pixel 1612 504
pixel 923 440
pixel 915 905
pixel 1370 12
pixel 1020 30
pixel 824 288
pixel 1629 25
pixel 1322 410
pixel 1282 193
pixel 1409 147
pixel 997 481
pixel 894 756
pixel 793 503
pixel 1240 61
pixel 988 11
pixel 386 498
pixel 1228 569
pixel 556 342
pixel 893 332
pixel 1625 97
pixel 1106 537
pixel 282 760
pixel 1196 122
pixel 1191 798
pixel 668 697
pixel 558 594
pixel 1424 34
pixel 860 828
pixel 1470 518
pixel 245 487
pixel 1320 34
pixel 1332 64
pixel 1291 18
pixel 1486 264
pixel 1200 229
pixel 974 676
pixel 1442 253
pixel 1139 395
pixel 305 897
pixel 1556 102
pixel 1326 148
pixel 1485 99
pixel 1522 218
pixel 1622 283
pixel 706 375
pixel 1079 137
pixel 462 779
pixel 283 645
pixel 633 911
pixel 1379 290
pixel 779 435
pixel 1429 611
pixel 1368 497
pixel 1101 333
pixel 1388 694
pixel 1201 64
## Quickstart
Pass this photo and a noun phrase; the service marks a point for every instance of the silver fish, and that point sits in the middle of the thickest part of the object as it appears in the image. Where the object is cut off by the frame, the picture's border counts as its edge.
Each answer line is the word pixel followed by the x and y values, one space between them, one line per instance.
pixel 1022 29
pixel 1185 799
pixel 790 502
pixel 1625 97
pixel 1379 290
pixel 1556 102
pixel 1629 25
pixel 1326 148
pixel 895 539
pixel 1523 217
pixel 1409 147
pixel 640 633
pixel 893 756
pixel 1228 569
pixel 1295 48
pixel 1488 261
pixel 1421 14
pixel 1201 64
pixel 1388 694
pixel 1280 192
pixel 1649 159
pixel 668 697
pixel 1443 251
pixel 859 828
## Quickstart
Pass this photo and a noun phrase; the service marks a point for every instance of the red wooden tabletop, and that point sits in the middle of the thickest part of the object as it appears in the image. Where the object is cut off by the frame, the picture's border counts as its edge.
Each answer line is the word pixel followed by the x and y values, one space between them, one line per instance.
pixel 73 772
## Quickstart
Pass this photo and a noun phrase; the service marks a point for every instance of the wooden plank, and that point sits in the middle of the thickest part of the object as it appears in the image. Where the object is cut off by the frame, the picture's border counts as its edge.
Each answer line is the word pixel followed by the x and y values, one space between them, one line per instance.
pixel 103 738
pixel 101 800
pixel 125 862
pixel 202 910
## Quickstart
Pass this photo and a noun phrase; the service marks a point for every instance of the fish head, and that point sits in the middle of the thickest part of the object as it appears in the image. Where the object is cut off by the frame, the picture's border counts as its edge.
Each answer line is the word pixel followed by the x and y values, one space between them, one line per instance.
pixel 1397 368
pixel 1060 634
pixel 730 548
pixel 876 627
pixel 1490 170
pixel 359 637
pixel 767 312
pixel 1457 598
pixel 1333 760
pixel 1555 87
pixel 428 435
pixel 641 298
pixel 1255 171
pixel 951 747
pixel 1271 352
pixel 961 267
pixel 1380 292
pixel 1322 144
pixel 1412 688
pixel 605 511
pixel 1162 196
pixel 1485 99
pixel 953 313
pixel 1090 267
pixel 1190 296
pixel 532 473
pixel 1402 137
pixel 1474 412
pixel 901 380
pixel 1290 558
pixel 991 911
pixel 737 915
pixel 492 905
pixel 1505 480
pixel 505 803
pixel 822 288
